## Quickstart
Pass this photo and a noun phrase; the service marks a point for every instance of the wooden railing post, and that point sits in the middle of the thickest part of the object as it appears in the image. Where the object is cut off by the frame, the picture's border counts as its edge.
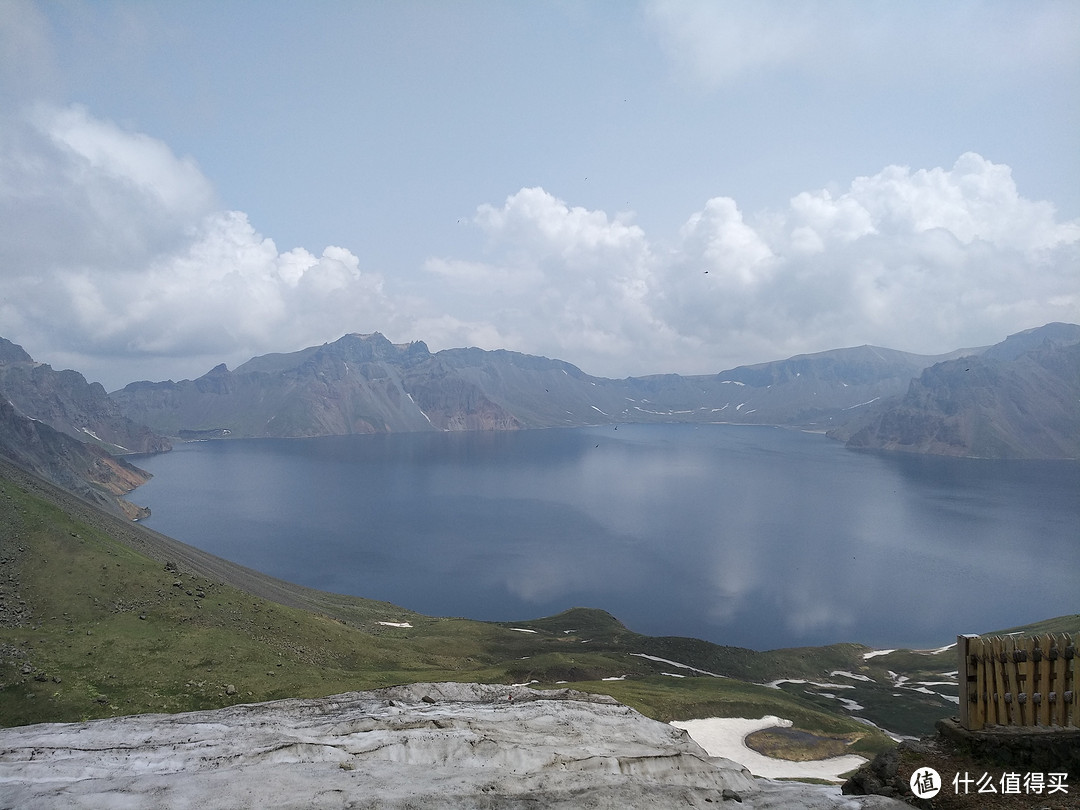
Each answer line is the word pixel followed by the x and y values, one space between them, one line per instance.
pixel 967 678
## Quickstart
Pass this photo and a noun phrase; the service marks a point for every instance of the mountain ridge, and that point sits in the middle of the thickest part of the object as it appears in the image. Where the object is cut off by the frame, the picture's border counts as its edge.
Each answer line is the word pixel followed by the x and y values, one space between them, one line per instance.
pixel 1016 399
pixel 364 383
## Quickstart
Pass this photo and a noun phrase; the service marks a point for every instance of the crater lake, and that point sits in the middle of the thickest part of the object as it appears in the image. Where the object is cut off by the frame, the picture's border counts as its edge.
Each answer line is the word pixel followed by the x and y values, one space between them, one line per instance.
pixel 751 536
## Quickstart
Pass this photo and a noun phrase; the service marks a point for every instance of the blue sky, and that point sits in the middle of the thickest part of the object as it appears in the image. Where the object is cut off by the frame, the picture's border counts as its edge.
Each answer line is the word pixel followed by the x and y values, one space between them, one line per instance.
pixel 188 183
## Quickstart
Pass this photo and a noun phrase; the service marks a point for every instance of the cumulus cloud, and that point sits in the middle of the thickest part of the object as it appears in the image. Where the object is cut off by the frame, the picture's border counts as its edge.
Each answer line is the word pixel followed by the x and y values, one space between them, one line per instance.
pixel 114 249
pixel 116 259
pixel 925 260
pixel 556 279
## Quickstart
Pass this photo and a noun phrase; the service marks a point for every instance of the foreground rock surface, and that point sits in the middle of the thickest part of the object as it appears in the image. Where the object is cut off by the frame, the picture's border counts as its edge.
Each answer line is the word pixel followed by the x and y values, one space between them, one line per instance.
pixel 424 745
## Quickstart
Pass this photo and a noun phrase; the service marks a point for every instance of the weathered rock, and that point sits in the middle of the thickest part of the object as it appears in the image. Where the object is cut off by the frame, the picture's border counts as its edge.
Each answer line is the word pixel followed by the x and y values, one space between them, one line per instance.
pixel 1031 748
pixel 473 746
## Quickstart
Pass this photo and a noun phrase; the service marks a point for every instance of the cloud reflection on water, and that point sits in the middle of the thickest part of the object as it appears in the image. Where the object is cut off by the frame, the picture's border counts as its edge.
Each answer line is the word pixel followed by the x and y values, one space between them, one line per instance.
pixel 750 536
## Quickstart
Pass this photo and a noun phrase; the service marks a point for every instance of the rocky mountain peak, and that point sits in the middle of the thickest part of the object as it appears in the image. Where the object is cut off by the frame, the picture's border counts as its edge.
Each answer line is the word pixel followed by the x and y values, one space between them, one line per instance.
pixel 13 353
pixel 1050 335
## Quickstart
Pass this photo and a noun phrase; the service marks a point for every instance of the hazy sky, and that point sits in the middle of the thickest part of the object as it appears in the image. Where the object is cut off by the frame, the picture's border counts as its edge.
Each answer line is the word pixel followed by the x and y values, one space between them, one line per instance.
pixel 632 187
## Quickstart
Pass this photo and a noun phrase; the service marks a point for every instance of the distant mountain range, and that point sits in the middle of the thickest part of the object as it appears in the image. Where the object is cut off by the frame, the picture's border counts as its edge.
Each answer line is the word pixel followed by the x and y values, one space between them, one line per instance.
pixel 1017 399
pixel 365 383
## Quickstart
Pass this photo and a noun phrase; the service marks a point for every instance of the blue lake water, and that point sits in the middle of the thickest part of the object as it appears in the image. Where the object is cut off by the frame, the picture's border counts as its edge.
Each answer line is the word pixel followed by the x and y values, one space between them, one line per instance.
pixel 752 536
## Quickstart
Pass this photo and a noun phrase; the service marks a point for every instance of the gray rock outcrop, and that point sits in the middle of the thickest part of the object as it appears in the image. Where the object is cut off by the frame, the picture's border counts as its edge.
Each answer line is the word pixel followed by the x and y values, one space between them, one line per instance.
pixel 424 745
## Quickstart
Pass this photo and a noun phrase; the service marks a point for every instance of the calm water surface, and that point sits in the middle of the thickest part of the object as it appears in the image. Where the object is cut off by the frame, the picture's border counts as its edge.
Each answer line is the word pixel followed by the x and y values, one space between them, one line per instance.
pixel 753 536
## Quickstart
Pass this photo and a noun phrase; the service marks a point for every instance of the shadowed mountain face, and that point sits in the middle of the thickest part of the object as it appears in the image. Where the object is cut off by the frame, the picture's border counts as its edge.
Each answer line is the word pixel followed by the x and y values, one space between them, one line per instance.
pixel 84 469
pixel 365 383
pixel 1018 399
pixel 66 402
pixel 66 430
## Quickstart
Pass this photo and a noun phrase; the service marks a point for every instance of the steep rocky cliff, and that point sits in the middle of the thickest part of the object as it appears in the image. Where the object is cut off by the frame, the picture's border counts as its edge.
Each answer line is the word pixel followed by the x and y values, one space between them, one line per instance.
pixel 59 426
pixel 1018 399
pixel 65 401
pixel 84 469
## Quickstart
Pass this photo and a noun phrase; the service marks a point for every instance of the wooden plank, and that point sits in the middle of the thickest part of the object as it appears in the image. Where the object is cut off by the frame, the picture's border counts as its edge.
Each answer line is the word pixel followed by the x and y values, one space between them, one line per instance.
pixel 1030 685
pixel 1001 685
pixel 962 682
pixel 1044 681
pixel 1012 672
pixel 1004 664
pixel 1056 680
pixel 1060 681
pixel 1072 716
pixel 979 718
pixel 993 707
pixel 1016 708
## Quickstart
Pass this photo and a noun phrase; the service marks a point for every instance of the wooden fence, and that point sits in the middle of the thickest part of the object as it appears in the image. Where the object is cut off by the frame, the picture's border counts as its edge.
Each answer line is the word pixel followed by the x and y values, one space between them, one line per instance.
pixel 1018 681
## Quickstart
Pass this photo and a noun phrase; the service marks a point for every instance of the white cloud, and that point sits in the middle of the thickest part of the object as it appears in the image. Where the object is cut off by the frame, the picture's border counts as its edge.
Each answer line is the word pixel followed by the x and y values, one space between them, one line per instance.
pixel 923 260
pixel 142 166
pixel 114 251
pixel 114 259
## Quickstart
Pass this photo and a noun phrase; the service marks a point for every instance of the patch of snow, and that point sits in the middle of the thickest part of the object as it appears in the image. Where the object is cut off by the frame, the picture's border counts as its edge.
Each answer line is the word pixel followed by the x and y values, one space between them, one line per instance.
pixel 851 675
pixel 616 678
pixel 731 382
pixel 413 401
pixel 875 653
pixel 672 675
pixel 921 689
pixel 395 624
pixel 597 409
pixel 847 703
pixel 938 651
pixel 675 664
pixel 726 737
pixel 522 630
pixel 859 405
pixel 891 734
pixel 776 684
